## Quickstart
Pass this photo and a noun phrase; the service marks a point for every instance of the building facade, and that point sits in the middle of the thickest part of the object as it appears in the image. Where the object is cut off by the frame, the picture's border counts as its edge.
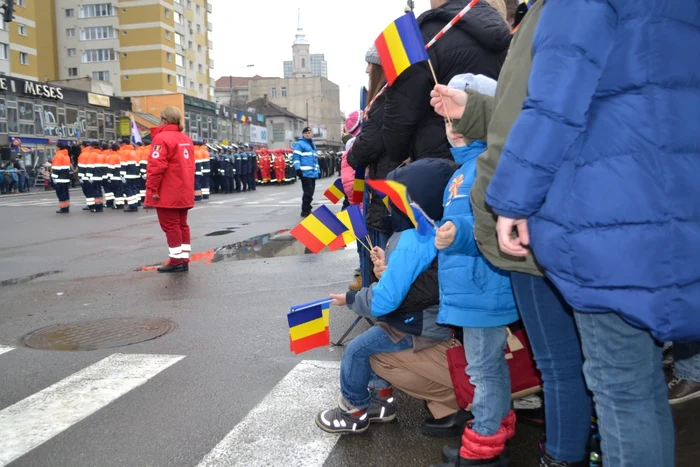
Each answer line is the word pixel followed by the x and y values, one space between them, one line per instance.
pixel 143 47
pixel 319 66
pixel 19 42
pixel 36 116
pixel 315 99
pixel 283 127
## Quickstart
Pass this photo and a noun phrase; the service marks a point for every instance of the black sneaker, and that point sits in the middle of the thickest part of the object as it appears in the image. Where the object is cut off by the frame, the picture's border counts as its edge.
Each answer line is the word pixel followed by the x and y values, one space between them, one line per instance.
pixel 339 421
pixel 682 390
pixel 381 409
pixel 170 268
pixel 305 214
pixel 185 267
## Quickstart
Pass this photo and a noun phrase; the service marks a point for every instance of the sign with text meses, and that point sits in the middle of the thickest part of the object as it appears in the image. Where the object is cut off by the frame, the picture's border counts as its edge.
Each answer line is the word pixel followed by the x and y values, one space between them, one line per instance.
pixel 32 89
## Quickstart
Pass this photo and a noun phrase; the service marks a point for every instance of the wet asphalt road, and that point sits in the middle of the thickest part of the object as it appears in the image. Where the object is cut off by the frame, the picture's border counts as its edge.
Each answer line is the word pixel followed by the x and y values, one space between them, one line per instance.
pixel 231 328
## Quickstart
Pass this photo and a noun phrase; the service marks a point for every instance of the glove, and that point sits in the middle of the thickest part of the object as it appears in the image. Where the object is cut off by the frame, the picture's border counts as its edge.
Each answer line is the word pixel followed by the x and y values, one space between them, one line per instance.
pixel 299 174
pixel 143 177
pixel 123 180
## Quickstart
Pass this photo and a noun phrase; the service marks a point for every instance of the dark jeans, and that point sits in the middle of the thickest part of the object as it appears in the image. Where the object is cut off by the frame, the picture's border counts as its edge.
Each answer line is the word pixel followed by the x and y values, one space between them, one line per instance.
pixel 308 185
pixel 550 325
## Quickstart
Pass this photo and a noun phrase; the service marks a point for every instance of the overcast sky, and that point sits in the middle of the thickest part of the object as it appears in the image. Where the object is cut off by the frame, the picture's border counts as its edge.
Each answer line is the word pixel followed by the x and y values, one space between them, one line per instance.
pixel 262 32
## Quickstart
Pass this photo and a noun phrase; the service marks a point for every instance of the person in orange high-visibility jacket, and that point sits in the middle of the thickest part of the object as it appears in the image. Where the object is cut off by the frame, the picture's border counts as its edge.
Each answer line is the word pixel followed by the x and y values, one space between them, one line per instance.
pixel 114 166
pixel 170 186
pixel 131 174
pixel 96 166
pixel 206 173
pixel 265 164
pixel 85 184
pixel 107 172
pixel 198 159
pixel 60 173
pixel 280 165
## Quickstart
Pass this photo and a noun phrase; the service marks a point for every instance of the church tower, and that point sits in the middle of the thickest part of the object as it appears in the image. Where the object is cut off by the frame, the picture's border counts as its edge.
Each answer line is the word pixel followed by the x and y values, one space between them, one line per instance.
pixel 301 65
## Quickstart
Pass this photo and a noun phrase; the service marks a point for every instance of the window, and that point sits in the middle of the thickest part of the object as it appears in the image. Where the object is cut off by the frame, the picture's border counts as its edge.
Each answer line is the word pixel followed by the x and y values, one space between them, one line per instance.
pixel 179 39
pixel 20 3
pixel 181 81
pixel 199 48
pixel 189 26
pixel 71 52
pixel 179 2
pixel 167 13
pixel 70 32
pixel 169 56
pixel 284 91
pixel 96 10
pixel 189 3
pixel 191 84
pixel 4 51
pixel 191 65
pixel 198 9
pixel 180 60
pixel 189 45
pixel 70 12
pixel 168 36
pixel 23 58
pixel 303 62
pixel 97 33
pixel 101 75
pixel 99 55
pixel 72 72
pixel 273 93
pixel 200 67
pixel 199 28
pixel 170 79
pixel 3 25
pixel 201 88
pixel 22 29
pixel 179 19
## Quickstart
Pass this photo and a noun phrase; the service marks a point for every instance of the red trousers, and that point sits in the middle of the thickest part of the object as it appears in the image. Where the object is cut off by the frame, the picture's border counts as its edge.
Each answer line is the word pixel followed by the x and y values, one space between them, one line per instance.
pixel 174 224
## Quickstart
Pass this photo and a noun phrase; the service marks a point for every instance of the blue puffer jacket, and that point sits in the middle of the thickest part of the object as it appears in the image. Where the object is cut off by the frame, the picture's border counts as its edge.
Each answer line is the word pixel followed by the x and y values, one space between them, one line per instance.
pixel 604 160
pixel 305 158
pixel 473 293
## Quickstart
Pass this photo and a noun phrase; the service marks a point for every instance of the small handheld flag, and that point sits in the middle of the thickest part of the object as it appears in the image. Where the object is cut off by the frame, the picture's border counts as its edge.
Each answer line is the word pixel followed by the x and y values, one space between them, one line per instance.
pixel 352 219
pixel 400 45
pixel 335 192
pixel 359 229
pixel 318 229
pixel 398 194
pixel 358 186
pixel 346 237
pixel 309 326
pixel 425 224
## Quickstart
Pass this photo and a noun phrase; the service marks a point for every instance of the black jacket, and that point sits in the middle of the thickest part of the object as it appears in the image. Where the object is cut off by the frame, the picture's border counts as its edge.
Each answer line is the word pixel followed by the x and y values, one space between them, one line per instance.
pixel 368 151
pixel 477 44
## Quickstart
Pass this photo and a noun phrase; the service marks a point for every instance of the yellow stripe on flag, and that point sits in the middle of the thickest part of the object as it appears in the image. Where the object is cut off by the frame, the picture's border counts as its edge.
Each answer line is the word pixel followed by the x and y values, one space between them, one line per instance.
pixel 307 329
pixel 318 229
pixel 396 49
pixel 326 317
pixel 349 236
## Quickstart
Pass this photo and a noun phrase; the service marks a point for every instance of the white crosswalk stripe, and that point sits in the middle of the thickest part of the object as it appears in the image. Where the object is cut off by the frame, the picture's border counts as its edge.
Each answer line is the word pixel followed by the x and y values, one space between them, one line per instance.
pixel 4 349
pixel 43 415
pixel 310 386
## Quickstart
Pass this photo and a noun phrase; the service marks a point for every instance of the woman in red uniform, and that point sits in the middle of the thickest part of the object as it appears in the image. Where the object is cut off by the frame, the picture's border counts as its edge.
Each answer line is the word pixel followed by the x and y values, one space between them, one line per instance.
pixel 170 185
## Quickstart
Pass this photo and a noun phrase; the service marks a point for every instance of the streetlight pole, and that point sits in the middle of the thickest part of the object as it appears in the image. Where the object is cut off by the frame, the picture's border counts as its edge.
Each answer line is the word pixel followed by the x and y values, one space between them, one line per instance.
pixel 307 107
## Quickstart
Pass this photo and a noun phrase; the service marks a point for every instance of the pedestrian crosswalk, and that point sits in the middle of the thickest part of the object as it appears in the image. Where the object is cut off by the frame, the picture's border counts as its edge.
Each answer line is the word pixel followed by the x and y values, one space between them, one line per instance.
pixel 288 409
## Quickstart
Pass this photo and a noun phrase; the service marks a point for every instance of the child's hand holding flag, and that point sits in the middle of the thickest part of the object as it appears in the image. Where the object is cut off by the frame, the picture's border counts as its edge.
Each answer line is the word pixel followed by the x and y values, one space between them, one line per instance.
pixel 445 235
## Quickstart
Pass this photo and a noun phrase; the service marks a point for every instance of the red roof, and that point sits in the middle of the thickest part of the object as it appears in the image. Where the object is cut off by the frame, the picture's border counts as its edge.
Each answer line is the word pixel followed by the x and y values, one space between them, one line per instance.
pixel 234 81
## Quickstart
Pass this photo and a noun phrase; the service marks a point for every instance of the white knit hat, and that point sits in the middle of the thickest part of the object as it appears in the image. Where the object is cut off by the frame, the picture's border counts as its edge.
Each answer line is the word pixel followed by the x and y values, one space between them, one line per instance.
pixel 479 83
pixel 372 56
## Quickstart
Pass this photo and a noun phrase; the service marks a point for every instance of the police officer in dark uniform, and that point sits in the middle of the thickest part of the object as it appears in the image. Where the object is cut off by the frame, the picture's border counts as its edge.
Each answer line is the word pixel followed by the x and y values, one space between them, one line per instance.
pixel 245 168
pixel 229 172
pixel 214 175
pixel 237 166
pixel 253 161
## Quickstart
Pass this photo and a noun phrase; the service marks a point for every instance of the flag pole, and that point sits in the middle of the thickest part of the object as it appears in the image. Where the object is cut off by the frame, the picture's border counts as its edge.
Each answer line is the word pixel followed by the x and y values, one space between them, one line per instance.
pixel 369 241
pixel 432 70
pixel 360 242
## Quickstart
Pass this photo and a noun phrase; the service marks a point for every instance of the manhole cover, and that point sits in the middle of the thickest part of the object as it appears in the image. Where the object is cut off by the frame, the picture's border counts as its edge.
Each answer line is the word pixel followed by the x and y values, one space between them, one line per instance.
pixel 101 334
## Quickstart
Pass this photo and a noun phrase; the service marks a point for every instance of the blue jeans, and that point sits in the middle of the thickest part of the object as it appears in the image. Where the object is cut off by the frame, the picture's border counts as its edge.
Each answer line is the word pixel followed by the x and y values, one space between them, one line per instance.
pixel 356 374
pixel 556 346
pixel 623 369
pixel 488 372
pixel 686 359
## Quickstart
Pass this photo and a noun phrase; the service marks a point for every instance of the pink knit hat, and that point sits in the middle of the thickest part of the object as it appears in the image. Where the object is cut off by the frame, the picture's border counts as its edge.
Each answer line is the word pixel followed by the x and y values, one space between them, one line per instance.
pixel 352 123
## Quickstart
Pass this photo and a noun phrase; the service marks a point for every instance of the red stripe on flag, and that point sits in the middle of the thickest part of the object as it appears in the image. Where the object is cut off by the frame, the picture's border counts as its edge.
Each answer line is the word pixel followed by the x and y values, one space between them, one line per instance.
pixel 332 195
pixel 337 244
pixel 386 59
pixel 311 342
pixel 309 240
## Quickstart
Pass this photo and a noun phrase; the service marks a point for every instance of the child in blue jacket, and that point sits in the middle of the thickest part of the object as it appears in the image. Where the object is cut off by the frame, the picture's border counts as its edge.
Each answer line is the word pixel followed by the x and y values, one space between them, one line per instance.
pixel 404 302
pixel 478 297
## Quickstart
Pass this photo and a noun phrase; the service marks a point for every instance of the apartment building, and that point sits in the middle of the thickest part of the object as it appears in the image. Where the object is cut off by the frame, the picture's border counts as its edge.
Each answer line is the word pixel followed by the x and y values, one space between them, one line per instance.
pixel 142 47
pixel 19 42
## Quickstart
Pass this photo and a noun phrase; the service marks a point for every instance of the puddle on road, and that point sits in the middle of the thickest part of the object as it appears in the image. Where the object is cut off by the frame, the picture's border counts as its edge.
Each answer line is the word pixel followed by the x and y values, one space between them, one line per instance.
pixel 22 280
pixel 270 245
pixel 219 232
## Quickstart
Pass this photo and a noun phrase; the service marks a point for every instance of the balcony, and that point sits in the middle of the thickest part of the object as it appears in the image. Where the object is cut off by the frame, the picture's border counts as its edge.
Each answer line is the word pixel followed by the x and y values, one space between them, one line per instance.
pixel 211 63
pixel 210 45
pixel 209 26
pixel 209 7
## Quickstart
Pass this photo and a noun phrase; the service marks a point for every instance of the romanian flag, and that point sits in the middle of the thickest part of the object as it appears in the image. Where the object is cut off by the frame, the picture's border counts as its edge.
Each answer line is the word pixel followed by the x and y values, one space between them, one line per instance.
pixel 335 192
pixel 355 223
pixel 309 326
pixel 425 225
pixel 383 197
pixel 358 186
pixel 399 46
pixel 318 229
pixel 398 194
